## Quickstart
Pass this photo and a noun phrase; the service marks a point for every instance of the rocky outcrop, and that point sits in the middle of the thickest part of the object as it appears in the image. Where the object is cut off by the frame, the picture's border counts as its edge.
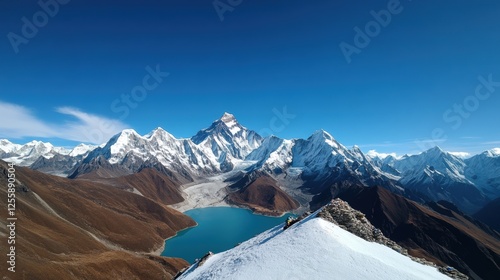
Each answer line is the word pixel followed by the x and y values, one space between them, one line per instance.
pixel 60 165
pixel 443 237
pixel 339 212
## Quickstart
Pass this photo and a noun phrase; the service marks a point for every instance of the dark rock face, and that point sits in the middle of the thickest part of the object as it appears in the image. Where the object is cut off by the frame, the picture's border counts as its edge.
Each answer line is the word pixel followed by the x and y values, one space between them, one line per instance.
pixel 56 165
pixel 467 196
pixel 490 214
pixel 98 167
pixel 444 238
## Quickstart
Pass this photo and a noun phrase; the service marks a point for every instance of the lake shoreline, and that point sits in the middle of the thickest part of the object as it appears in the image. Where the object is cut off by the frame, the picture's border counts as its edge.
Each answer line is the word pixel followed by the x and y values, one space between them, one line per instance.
pixel 159 251
pixel 218 228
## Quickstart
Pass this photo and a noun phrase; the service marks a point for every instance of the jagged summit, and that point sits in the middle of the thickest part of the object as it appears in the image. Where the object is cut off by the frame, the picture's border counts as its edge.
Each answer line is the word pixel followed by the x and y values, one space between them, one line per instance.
pixel 227 136
pixel 227 117
pixel 123 137
pixel 159 129
pixel 436 150
pixel 320 137
pixel 81 149
pixel 495 152
pixel 321 133
pixel 159 133
pixel 355 149
pixel 227 126
pixel 128 131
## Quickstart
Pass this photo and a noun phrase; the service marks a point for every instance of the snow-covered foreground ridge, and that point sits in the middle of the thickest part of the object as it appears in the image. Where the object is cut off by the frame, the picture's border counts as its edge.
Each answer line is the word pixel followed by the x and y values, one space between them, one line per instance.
pixel 310 249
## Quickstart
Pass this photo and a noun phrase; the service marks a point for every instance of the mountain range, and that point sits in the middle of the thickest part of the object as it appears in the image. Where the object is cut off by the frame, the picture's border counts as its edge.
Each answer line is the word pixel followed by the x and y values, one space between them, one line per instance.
pixel 310 170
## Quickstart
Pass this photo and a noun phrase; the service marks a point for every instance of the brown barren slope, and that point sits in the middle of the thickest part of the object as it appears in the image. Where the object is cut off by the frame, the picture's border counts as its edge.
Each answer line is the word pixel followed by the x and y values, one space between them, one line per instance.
pixel 149 183
pixel 76 229
pixel 444 238
pixel 263 196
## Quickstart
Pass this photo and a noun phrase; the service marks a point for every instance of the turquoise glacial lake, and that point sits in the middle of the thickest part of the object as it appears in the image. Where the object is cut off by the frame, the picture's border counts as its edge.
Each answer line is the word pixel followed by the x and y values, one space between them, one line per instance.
pixel 219 229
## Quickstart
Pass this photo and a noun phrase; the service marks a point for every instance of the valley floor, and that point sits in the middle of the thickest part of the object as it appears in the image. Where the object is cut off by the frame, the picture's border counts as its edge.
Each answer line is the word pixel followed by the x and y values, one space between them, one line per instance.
pixel 200 195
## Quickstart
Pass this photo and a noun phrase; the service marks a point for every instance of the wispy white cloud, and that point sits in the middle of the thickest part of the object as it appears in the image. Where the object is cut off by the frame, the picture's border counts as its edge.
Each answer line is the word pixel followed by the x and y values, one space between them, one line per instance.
pixel 88 127
pixel 18 122
pixel 470 137
pixel 374 153
pixel 491 143
pixel 430 141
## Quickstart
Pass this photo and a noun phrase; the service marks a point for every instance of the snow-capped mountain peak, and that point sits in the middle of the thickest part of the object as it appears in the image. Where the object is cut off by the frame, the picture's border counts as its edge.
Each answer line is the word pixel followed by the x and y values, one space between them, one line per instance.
pixel 322 135
pixel 35 148
pixel 436 151
pixel 484 169
pixel 227 118
pixel 8 147
pixel 227 137
pixel 81 149
pixel 159 133
pixel 438 159
pixel 125 136
pixel 28 153
pixel 358 154
pixel 226 126
pixel 324 141
pixel 495 152
pixel 316 158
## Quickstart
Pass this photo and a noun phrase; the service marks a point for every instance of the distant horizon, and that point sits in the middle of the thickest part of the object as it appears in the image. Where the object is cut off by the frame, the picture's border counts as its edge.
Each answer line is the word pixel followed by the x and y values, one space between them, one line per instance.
pixel 70 144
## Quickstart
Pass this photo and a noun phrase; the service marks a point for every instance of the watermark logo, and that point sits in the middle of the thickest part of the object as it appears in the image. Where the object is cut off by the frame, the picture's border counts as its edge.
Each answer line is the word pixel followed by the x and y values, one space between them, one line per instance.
pixel 126 102
pixel 30 27
pixel 363 37
pixel 459 112
pixel 11 218
pixel 222 7
pixel 278 122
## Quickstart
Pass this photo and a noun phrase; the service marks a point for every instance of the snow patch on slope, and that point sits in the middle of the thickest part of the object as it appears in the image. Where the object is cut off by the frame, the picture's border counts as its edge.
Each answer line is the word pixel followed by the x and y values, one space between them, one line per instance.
pixel 462 155
pixel 495 152
pixel 311 249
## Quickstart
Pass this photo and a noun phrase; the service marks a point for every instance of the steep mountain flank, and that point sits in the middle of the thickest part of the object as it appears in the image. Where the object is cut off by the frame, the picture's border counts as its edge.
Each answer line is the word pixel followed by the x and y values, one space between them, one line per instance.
pixel 263 195
pixel 451 238
pixel 76 229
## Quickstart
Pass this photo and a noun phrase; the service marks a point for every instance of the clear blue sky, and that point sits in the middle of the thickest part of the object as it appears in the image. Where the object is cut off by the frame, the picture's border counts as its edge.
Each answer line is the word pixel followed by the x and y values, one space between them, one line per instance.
pixel 263 55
